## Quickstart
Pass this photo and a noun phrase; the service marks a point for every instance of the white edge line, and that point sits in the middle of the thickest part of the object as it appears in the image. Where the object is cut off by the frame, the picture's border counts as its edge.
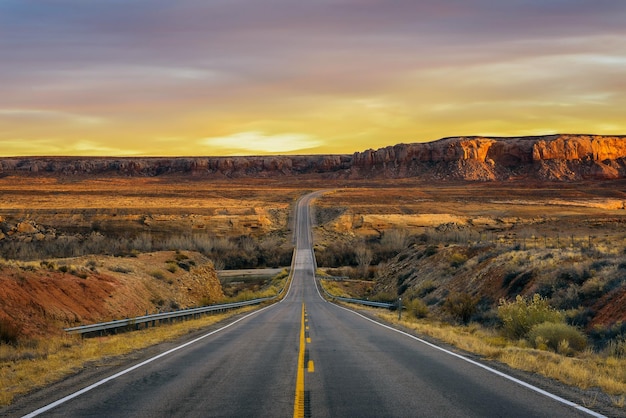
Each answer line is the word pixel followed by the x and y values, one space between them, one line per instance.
pixel 136 366
pixel 489 369
pixel 150 360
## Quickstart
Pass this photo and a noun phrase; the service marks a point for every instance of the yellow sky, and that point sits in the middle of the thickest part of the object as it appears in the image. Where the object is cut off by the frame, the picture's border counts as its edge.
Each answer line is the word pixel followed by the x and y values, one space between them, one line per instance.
pixel 274 77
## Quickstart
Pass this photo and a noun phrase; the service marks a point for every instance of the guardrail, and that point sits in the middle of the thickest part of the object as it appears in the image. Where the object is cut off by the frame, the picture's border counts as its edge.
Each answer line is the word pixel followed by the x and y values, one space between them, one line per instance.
pixel 359 301
pixel 367 302
pixel 131 323
pixel 134 323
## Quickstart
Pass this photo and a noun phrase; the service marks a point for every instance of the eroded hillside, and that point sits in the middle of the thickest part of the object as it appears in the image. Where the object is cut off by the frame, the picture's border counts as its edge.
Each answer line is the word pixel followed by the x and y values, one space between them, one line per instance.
pixel 490 242
pixel 42 298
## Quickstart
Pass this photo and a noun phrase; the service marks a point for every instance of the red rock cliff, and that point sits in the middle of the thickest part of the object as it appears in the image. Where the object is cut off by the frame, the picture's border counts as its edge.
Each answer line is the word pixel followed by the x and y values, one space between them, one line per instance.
pixel 553 157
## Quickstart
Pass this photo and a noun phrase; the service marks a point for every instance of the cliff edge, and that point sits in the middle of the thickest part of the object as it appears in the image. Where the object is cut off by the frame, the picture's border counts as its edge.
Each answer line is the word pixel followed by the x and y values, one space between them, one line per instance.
pixel 546 158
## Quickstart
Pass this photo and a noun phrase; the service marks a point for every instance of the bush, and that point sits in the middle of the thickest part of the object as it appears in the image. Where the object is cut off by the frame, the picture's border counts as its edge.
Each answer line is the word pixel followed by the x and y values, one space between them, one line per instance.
pixel 426 288
pixel 457 260
pixel 461 306
pixel 417 309
pixel 157 274
pixel 559 337
pixel 9 331
pixel 430 250
pixel 616 348
pixel 520 316
pixel 384 297
pixel 121 269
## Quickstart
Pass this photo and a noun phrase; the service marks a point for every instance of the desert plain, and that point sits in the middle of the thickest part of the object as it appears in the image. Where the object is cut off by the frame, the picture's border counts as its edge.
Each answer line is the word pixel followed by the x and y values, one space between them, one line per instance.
pixel 104 227
pixel 456 253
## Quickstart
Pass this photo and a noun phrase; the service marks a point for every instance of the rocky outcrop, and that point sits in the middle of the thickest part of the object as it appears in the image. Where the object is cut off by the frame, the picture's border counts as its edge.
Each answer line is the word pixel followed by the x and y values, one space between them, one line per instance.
pixel 552 158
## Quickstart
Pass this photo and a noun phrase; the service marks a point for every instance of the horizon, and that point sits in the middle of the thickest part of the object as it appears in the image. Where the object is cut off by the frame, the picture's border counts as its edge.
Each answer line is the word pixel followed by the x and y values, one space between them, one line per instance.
pixel 620 136
pixel 194 78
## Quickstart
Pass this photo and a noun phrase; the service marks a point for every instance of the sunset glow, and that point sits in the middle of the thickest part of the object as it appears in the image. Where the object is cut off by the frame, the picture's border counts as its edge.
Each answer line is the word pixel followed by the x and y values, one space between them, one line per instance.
pixel 235 77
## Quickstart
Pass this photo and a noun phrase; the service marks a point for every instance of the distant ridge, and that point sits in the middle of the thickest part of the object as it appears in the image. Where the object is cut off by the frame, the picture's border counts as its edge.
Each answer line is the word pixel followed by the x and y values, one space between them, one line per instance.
pixel 562 157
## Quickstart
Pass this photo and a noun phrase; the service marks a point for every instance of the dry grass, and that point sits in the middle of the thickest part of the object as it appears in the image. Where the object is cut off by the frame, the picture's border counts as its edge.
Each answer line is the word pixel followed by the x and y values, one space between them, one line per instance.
pixel 584 371
pixel 332 288
pixel 37 364
pixel 278 283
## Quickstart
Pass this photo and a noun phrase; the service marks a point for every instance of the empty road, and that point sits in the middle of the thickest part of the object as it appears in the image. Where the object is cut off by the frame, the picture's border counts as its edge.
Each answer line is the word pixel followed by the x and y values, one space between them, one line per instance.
pixel 305 357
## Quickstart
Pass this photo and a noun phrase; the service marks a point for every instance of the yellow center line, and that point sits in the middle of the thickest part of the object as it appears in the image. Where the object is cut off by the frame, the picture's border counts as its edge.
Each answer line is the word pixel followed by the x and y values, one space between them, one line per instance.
pixel 311 366
pixel 298 405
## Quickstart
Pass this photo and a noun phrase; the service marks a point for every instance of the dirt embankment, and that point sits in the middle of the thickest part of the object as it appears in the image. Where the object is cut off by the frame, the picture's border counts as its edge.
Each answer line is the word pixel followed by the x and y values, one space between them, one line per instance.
pixel 42 298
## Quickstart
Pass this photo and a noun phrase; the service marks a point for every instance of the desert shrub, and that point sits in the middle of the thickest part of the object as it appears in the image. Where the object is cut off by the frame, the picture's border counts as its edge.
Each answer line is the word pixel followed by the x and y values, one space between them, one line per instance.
pixel 457 260
pixel 559 337
pixel 517 283
pixel 171 267
pixel 592 289
pixel 573 275
pixel 580 317
pixel 600 264
pixel 383 297
pixel 337 254
pixel 425 288
pixel 9 331
pixel 157 274
pixel 602 336
pixel 180 256
pixel 403 277
pixel 616 348
pixel 80 274
pixel 568 298
pixel 520 316
pixel 417 309
pixel 508 278
pixel 430 250
pixel 121 269
pixel 461 306
pixel 394 240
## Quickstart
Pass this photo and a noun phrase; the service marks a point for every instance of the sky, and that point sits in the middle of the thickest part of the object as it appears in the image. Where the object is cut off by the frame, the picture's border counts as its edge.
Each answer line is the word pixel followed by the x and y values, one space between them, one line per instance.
pixel 255 77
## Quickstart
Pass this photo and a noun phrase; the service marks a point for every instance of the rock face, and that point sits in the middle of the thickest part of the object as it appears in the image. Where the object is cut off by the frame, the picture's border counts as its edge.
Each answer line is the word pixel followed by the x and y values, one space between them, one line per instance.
pixel 552 158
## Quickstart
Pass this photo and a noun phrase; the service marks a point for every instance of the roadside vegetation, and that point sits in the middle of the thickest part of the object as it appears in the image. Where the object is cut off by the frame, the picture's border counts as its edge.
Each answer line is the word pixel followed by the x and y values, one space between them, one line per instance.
pixel 544 304
pixel 565 362
pixel 27 363
pixel 35 363
pixel 236 252
pixel 255 287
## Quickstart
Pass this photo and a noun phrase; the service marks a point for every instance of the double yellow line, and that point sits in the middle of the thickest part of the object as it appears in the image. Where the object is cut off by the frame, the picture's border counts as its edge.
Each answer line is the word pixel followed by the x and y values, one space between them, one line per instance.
pixel 298 405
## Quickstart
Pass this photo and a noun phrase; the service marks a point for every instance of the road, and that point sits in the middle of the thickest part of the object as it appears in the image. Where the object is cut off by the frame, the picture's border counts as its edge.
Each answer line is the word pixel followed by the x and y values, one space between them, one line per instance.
pixel 305 357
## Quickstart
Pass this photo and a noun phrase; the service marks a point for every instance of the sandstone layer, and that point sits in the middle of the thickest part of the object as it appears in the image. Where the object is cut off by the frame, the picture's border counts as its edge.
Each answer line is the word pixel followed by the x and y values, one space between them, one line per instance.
pixel 551 158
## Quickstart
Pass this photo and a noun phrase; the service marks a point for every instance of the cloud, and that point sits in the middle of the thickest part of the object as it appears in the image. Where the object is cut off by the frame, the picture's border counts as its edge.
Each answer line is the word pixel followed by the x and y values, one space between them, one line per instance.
pixel 369 72
pixel 253 142
pixel 39 116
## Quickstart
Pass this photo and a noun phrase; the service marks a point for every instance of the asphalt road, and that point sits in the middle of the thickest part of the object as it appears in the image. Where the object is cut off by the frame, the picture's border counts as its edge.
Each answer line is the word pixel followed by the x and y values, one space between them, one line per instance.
pixel 329 362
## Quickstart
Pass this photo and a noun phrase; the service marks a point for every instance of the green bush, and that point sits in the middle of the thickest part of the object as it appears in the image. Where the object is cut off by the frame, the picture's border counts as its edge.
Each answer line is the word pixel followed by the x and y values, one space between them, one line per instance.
pixel 417 309
pixel 520 316
pixel 559 337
